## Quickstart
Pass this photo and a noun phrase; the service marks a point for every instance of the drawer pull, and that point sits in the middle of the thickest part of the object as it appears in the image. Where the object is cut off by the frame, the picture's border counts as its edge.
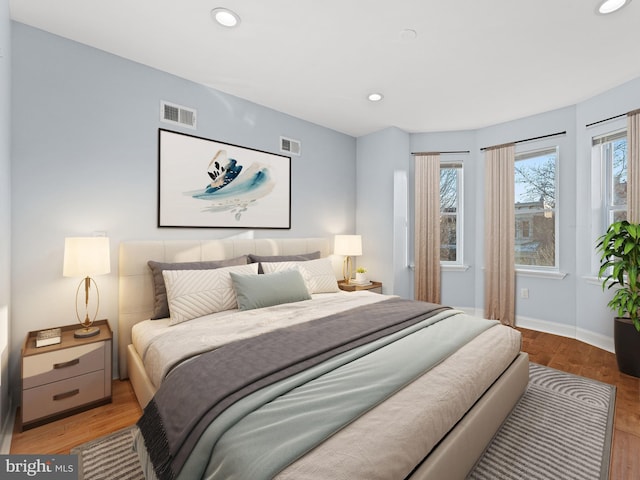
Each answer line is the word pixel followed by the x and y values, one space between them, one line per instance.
pixel 70 363
pixel 70 393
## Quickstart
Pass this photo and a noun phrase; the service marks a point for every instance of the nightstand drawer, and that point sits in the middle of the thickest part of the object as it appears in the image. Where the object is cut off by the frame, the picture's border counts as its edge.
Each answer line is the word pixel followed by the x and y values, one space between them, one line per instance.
pixel 57 397
pixel 61 364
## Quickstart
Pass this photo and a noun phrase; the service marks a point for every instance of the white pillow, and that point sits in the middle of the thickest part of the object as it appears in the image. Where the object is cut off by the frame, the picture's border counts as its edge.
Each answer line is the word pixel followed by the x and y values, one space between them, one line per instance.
pixel 194 293
pixel 318 274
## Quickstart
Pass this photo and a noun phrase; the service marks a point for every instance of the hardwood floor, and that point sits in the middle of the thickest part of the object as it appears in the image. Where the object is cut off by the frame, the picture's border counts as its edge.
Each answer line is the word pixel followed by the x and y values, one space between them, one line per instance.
pixel 60 436
pixel 557 352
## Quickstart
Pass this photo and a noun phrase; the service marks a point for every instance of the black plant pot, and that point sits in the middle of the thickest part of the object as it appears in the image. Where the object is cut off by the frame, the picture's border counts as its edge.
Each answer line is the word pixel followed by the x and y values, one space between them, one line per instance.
pixel 627 343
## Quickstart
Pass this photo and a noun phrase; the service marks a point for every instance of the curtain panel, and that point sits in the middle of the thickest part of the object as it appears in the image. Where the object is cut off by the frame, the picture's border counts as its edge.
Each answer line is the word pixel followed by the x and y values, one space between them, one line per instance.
pixel 499 294
pixel 427 228
pixel 633 166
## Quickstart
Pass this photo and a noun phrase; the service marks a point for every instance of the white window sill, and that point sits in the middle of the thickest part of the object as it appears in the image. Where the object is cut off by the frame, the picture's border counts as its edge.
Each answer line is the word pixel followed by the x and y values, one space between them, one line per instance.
pixel 449 267
pixel 550 274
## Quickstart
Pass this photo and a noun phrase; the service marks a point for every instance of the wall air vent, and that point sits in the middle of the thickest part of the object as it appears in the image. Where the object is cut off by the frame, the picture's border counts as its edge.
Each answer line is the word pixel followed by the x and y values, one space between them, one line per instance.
pixel 290 146
pixel 177 114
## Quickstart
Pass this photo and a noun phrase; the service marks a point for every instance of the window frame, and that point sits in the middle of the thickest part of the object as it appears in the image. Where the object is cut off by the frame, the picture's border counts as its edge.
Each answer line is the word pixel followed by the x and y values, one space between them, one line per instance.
pixel 459 165
pixel 600 183
pixel 533 152
pixel 609 209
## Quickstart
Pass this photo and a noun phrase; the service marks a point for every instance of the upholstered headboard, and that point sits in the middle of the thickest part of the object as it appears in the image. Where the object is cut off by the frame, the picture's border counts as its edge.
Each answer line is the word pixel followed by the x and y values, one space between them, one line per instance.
pixel 135 290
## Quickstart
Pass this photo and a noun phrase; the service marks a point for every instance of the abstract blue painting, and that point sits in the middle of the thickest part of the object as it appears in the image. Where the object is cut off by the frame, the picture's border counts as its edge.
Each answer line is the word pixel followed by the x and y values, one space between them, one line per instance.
pixel 208 183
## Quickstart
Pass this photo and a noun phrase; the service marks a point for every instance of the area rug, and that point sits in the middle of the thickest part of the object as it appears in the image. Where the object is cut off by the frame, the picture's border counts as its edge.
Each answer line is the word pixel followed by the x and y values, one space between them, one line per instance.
pixel 109 458
pixel 560 429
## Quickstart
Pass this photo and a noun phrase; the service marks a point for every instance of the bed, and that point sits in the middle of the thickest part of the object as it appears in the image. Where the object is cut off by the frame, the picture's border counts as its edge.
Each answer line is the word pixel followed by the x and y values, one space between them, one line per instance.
pixel 431 423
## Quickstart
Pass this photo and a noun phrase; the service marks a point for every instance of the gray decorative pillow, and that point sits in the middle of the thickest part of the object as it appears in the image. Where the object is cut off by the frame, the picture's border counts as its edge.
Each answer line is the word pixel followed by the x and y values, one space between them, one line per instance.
pixel 301 257
pixel 258 291
pixel 160 306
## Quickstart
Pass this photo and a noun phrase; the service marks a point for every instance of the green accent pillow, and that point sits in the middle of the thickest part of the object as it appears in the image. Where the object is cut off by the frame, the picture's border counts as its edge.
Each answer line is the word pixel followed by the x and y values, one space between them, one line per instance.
pixel 265 290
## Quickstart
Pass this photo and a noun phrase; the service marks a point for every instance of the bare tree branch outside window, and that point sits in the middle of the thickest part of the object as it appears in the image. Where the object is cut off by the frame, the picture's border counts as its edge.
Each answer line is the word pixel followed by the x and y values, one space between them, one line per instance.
pixel 448 213
pixel 535 209
pixel 539 181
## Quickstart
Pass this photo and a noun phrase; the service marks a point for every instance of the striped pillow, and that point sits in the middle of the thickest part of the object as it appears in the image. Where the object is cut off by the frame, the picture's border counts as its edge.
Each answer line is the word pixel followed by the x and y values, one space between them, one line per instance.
pixel 195 293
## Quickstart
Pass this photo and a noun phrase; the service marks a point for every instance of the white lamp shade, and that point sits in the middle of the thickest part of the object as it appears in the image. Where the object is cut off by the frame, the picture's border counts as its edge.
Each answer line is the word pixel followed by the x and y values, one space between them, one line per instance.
pixel 86 256
pixel 348 245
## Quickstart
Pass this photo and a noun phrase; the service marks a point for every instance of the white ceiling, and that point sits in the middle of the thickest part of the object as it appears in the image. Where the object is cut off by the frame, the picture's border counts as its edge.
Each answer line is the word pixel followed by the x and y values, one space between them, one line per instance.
pixel 474 63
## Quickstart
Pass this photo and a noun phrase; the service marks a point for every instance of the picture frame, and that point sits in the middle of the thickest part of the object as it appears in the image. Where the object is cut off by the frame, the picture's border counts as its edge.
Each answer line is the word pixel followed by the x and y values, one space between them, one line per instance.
pixel 204 183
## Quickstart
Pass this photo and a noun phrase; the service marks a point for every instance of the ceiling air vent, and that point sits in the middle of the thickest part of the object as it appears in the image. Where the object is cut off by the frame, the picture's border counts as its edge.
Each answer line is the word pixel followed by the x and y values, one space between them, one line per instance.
pixel 177 114
pixel 290 146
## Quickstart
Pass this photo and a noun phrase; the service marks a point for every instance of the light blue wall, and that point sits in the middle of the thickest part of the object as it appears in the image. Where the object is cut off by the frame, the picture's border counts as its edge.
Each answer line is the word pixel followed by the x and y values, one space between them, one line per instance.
pixel 85 159
pixel 5 215
pixel 379 155
pixel 571 303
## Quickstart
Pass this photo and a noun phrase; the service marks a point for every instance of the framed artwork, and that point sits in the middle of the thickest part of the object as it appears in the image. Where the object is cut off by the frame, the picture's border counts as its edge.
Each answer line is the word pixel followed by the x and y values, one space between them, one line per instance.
pixel 210 184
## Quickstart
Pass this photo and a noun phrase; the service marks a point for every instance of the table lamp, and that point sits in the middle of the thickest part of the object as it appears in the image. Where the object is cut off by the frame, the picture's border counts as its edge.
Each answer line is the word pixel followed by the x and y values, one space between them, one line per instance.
pixel 86 257
pixel 347 245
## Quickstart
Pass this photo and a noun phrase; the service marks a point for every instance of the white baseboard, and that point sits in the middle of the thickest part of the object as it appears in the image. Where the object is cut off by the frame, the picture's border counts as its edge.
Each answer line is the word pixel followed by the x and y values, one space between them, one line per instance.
pixel 595 339
pixel 546 326
pixel 6 432
pixel 569 331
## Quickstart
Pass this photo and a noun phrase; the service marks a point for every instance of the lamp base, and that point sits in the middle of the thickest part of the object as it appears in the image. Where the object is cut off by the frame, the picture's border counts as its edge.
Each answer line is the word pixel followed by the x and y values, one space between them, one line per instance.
pixel 347 269
pixel 86 332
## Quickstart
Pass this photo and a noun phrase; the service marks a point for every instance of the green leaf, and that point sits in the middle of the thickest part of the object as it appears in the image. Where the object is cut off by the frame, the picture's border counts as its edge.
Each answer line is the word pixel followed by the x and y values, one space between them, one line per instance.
pixel 628 246
pixel 617 243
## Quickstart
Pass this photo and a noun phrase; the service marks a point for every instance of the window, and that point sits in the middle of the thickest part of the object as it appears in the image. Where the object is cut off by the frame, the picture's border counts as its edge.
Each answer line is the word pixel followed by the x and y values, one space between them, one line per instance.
pixel 536 208
pixel 608 192
pixel 450 212
pixel 612 151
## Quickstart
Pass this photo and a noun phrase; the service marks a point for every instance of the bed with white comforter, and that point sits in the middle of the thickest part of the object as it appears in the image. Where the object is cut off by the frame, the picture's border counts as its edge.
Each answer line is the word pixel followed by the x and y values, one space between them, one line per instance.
pixel 411 404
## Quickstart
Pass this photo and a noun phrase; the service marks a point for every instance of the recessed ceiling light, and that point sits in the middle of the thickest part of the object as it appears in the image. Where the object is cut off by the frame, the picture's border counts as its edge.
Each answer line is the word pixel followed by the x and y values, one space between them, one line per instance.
pixel 375 97
pixel 225 17
pixel 609 6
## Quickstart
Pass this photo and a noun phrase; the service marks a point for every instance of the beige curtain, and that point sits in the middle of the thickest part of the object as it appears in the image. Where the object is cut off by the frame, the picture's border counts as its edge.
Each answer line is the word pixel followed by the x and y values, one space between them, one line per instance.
pixel 427 228
pixel 633 166
pixel 499 295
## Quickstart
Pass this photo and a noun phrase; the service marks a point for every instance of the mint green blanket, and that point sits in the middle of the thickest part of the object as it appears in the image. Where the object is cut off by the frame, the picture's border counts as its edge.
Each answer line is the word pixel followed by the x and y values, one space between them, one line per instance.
pixel 263 433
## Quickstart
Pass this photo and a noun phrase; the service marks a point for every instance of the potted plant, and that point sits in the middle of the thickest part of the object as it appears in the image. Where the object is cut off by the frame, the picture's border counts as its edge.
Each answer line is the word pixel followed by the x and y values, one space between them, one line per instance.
pixel 361 276
pixel 620 267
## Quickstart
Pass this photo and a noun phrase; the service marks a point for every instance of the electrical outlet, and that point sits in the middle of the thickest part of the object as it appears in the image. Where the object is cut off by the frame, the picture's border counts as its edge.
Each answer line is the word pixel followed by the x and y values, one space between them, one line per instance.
pixel 524 293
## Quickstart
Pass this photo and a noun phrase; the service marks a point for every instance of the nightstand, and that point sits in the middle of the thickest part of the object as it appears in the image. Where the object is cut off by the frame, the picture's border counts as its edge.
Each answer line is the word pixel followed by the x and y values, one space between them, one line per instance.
pixel 375 287
pixel 66 378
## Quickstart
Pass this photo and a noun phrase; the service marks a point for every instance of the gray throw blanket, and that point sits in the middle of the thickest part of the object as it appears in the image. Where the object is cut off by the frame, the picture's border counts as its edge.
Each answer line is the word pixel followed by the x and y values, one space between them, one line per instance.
pixel 196 392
